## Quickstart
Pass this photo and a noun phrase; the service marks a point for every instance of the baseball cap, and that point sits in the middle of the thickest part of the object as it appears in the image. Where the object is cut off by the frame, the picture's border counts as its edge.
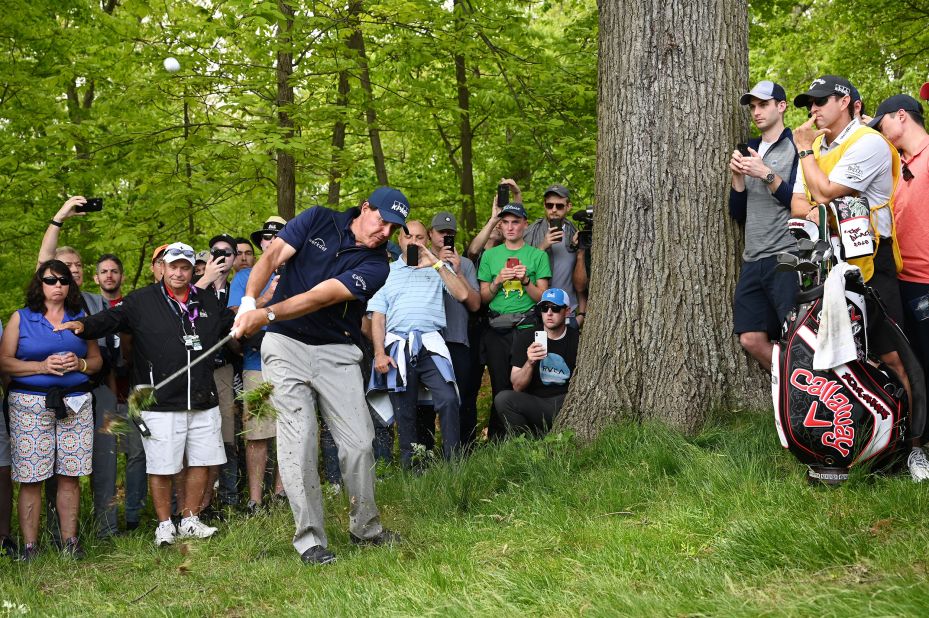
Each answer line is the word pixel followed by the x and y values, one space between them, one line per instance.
pixel 764 90
pixel 892 104
pixel 179 251
pixel 272 225
pixel 444 221
pixel 559 190
pixel 158 252
pixel 202 256
pixel 391 204
pixel 555 296
pixel 823 87
pixel 226 238
pixel 514 208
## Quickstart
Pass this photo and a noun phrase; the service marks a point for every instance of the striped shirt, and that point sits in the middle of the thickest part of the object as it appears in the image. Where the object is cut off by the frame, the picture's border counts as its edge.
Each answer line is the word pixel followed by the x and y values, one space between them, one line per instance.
pixel 411 299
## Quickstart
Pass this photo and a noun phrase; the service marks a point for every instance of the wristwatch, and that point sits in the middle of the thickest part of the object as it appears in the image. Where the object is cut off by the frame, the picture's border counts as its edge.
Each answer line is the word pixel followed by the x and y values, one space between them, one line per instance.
pixel 270 313
pixel 768 179
pixel 804 153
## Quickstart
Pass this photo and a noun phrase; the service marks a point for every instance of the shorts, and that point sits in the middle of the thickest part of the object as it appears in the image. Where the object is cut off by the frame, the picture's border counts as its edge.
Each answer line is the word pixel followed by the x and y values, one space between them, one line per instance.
pixel 223 376
pixel 43 445
pixel 884 282
pixel 5 459
pixel 195 435
pixel 763 297
pixel 256 429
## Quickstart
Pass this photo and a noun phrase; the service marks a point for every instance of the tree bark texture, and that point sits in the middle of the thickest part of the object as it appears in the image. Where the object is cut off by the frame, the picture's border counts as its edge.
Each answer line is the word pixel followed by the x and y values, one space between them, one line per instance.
pixel 338 142
pixel 468 218
pixel 286 180
pixel 356 43
pixel 658 342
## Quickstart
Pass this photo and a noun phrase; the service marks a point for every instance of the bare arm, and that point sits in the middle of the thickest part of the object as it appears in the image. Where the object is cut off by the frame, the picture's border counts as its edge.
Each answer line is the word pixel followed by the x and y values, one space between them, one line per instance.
pixel 11 365
pixel 272 259
pixel 52 232
pixel 382 362
pixel 93 359
pixel 521 377
pixel 322 295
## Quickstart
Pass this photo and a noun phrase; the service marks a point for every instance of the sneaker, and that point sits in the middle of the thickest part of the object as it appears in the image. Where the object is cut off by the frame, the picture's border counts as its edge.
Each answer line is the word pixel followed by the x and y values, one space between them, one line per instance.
pixel 279 498
pixel 8 547
pixel 252 508
pixel 192 528
pixel 29 553
pixel 317 555
pixel 73 549
pixel 385 537
pixel 918 464
pixel 165 533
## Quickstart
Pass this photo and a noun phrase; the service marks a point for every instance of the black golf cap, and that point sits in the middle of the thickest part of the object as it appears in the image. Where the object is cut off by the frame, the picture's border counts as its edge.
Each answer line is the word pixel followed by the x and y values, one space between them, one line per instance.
pixel 823 87
pixel 892 104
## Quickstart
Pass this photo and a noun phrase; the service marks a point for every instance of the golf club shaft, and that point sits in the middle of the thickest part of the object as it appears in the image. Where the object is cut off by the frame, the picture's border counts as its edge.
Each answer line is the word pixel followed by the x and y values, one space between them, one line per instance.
pixel 206 354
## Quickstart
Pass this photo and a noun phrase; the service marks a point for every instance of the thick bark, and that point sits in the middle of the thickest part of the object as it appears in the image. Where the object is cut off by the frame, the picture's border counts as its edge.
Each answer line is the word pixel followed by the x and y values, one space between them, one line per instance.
pixel 658 342
pixel 338 142
pixel 356 43
pixel 286 180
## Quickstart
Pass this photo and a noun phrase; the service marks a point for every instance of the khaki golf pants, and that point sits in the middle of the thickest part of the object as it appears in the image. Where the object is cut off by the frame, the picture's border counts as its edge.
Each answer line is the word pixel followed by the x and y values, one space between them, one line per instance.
pixel 327 378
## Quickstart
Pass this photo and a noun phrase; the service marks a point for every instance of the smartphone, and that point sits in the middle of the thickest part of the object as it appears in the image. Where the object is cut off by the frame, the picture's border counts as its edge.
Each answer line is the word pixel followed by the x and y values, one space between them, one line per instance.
pixel 448 240
pixel 412 255
pixel 93 204
pixel 541 337
pixel 556 223
pixel 503 195
pixel 743 150
pixel 512 262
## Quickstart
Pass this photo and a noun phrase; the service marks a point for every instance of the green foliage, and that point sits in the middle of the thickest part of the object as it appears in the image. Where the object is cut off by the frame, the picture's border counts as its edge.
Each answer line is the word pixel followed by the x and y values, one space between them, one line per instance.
pixel 644 522
pixel 87 108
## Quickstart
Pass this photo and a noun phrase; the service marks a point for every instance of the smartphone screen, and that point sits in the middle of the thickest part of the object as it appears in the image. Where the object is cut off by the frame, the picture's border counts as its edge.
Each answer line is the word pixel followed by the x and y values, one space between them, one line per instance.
pixel 94 204
pixel 542 339
pixel 512 262
pixel 503 195
pixel 412 255
pixel 448 240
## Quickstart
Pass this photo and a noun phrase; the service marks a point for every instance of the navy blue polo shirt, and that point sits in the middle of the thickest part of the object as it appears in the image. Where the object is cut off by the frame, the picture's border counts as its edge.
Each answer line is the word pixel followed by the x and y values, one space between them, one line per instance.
pixel 326 249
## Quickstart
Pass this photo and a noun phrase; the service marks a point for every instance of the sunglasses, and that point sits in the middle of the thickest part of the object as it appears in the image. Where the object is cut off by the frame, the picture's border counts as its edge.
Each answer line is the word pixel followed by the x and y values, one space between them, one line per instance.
pixel 184 252
pixel 554 205
pixel 907 174
pixel 819 101
pixel 54 280
pixel 550 307
pixel 268 236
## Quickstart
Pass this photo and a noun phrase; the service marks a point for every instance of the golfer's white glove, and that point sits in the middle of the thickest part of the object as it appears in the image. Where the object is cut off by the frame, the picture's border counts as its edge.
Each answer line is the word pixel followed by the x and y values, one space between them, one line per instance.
pixel 246 304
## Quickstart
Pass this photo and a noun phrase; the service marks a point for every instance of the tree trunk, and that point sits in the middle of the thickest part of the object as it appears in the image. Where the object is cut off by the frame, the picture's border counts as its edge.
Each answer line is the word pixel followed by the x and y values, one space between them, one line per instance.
pixel 468 218
pixel 658 342
pixel 356 42
pixel 338 142
pixel 286 180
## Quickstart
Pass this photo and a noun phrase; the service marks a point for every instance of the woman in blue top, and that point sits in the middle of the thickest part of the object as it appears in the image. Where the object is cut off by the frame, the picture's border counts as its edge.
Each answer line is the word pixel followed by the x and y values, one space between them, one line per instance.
pixel 51 411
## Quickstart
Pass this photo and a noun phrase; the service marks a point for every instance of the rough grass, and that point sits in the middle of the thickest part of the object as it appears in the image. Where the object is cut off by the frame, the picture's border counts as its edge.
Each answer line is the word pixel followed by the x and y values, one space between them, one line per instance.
pixel 642 523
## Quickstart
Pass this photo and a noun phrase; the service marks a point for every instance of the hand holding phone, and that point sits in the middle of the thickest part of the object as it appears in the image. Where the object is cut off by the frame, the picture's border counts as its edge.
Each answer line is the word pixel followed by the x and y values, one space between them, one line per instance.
pixel 412 255
pixel 541 338
pixel 93 204
pixel 743 150
pixel 512 262
pixel 503 195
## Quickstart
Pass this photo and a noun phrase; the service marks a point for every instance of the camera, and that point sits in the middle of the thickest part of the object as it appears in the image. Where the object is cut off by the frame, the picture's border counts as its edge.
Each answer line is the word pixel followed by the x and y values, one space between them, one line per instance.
pixel 585 227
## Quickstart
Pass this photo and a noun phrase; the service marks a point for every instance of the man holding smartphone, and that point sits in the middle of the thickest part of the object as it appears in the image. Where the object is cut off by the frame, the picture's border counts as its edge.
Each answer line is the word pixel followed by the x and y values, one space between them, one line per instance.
pixel 513 277
pixel 763 173
pixel 554 234
pixel 541 367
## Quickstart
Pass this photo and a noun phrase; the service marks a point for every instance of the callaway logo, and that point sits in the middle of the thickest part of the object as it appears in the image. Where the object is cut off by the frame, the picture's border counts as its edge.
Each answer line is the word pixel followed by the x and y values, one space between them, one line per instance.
pixel 360 282
pixel 816 82
pixel 400 207
pixel 319 243
pixel 842 434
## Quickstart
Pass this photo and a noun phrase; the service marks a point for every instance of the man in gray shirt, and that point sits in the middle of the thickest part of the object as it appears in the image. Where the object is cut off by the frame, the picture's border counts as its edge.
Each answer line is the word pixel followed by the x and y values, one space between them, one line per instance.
pixel 554 234
pixel 762 182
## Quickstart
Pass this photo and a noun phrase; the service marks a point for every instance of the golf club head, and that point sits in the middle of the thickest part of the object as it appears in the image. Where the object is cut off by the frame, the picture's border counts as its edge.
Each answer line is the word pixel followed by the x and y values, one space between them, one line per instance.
pixel 786 262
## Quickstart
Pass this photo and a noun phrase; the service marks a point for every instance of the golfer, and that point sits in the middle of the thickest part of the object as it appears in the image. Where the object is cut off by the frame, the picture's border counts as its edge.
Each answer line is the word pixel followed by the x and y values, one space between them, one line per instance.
pixel 335 262
pixel 172 323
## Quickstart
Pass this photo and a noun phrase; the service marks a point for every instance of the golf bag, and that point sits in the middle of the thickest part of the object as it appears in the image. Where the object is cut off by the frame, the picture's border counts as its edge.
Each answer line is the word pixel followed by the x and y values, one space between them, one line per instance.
pixel 855 412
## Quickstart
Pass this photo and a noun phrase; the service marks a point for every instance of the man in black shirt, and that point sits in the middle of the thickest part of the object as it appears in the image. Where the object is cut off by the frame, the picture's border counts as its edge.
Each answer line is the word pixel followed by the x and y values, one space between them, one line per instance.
pixel 540 373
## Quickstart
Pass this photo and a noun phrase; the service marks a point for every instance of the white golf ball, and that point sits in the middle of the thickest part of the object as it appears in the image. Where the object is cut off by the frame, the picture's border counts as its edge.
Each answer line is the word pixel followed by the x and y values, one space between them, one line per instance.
pixel 172 65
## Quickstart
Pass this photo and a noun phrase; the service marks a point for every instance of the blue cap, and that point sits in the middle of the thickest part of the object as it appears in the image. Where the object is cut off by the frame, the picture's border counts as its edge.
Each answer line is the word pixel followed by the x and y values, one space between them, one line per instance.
pixel 555 296
pixel 391 204
pixel 514 208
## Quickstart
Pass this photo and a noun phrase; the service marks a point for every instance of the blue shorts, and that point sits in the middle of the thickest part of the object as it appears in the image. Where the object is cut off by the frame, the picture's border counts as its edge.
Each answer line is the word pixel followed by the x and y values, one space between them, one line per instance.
pixel 763 297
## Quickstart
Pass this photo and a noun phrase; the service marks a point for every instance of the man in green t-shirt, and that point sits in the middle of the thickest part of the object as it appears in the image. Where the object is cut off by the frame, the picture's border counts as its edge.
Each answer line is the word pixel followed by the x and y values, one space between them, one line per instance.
pixel 513 277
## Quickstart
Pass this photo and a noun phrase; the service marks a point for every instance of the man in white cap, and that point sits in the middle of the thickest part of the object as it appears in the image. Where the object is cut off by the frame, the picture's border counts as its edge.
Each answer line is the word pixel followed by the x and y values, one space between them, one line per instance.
pixel 172 323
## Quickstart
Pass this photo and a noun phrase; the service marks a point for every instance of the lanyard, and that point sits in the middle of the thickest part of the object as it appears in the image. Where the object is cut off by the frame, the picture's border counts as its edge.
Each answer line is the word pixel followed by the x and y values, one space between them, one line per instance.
pixel 182 309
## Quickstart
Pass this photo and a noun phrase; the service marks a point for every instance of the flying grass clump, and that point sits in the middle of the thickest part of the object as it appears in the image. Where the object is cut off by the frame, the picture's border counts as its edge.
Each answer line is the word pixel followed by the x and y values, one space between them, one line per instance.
pixel 258 401
pixel 142 398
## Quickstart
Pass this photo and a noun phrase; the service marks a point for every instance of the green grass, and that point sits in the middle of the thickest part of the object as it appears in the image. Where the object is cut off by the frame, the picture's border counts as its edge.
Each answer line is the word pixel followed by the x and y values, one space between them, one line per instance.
pixel 642 523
